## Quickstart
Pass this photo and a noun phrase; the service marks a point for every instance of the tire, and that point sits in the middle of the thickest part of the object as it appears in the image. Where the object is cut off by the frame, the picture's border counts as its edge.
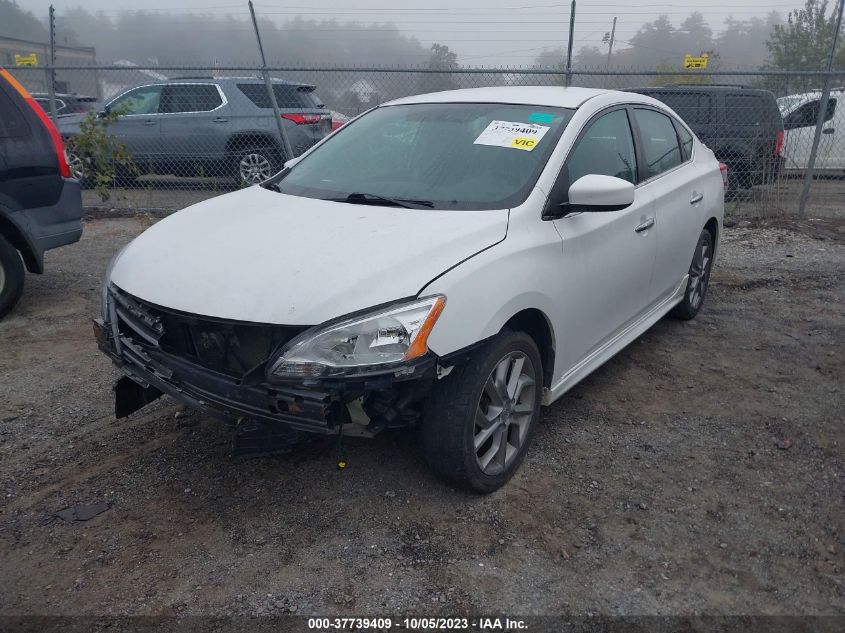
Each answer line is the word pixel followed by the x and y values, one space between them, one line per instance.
pixel 253 165
pixel 11 277
pixel 458 401
pixel 79 169
pixel 699 279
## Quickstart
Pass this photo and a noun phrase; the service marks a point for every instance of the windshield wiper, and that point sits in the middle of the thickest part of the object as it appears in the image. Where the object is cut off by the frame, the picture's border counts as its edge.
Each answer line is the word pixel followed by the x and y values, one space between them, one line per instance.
pixel 364 198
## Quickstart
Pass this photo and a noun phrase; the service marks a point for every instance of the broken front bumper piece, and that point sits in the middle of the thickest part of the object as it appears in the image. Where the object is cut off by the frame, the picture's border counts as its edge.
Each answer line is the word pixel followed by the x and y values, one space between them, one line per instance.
pixel 218 367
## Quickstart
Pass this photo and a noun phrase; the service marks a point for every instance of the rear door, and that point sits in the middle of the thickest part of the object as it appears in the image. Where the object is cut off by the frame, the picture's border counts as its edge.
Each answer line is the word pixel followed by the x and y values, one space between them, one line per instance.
pixel 138 126
pixel 194 123
pixel 677 188
pixel 607 256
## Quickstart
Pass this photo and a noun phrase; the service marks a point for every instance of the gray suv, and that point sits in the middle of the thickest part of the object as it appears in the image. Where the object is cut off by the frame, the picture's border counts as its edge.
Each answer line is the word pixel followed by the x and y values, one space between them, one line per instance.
pixel 210 126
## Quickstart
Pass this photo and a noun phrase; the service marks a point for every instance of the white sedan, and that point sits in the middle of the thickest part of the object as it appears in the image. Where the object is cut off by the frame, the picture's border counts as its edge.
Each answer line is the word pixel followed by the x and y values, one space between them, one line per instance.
pixel 448 262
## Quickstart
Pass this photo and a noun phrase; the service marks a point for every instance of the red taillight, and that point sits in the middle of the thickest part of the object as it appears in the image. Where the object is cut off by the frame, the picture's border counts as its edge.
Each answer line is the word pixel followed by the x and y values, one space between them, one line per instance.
pixel 64 168
pixel 723 169
pixel 303 119
pixel 58 146
pixel 337 124
pixel 779 143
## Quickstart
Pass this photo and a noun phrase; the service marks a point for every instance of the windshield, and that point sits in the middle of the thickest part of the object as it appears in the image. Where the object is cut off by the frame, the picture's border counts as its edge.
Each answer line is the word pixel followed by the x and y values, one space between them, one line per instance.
pixel 440 155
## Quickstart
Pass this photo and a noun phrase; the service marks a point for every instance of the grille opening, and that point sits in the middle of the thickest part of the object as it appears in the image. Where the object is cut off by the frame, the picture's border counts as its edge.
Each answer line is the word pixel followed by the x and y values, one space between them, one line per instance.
pixel 227 347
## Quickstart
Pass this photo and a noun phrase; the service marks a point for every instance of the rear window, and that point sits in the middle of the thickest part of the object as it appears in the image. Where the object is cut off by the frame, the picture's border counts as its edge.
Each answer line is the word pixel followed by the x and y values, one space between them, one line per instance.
pixel 12 120
pixel 744 109
pixel 287 96
pixel 694 108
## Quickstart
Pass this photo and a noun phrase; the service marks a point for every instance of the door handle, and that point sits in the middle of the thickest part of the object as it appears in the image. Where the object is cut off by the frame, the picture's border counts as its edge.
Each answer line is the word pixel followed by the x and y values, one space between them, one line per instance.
pixel 148 122
pixel 645 225
pixel 220 119
pixel 827 130
pixel 696 197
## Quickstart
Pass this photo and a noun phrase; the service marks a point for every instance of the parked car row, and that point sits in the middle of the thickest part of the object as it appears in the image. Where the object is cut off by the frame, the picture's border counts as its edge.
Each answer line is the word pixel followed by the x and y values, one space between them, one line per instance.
pixel 211 126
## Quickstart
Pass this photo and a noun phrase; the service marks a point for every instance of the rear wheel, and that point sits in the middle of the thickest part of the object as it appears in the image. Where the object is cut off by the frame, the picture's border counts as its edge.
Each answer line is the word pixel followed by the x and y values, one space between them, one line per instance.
pixel 699 278
pixel 254 165
pixel 11 276
pixel 480 419
pixel 79 168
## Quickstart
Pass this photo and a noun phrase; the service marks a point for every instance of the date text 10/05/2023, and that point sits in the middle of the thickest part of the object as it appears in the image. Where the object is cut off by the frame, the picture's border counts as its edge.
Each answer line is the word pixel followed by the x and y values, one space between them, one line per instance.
pixel 418 624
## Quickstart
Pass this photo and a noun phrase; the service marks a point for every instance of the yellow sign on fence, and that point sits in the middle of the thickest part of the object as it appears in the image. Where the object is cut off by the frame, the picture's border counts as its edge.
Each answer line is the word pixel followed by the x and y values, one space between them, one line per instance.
pixel 26 60
pixel 695 62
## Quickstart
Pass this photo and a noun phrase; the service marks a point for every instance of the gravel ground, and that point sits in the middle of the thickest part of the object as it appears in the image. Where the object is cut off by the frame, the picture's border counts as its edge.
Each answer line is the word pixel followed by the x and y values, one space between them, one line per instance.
pixel 699 471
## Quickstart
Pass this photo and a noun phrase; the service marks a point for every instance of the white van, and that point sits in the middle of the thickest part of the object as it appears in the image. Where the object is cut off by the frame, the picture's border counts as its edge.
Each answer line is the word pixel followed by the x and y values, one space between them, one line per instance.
pixel 800 113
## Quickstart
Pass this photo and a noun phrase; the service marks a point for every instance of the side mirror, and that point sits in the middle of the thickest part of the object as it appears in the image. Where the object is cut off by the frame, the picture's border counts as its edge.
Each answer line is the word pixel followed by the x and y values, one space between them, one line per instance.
pixel 593 192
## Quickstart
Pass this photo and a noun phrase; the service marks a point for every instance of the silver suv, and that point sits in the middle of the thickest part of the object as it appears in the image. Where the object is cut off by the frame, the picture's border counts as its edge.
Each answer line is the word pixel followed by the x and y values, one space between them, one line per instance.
pixel 210 126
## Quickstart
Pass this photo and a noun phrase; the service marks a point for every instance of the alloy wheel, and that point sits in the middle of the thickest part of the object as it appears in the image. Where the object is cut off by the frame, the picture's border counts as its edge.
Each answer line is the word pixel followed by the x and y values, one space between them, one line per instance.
pixel 504 413
pixel 699 274
pixel 255 168
pixel 77 169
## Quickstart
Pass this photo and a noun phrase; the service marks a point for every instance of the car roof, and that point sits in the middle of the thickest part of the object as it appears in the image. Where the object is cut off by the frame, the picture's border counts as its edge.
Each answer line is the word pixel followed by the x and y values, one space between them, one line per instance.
pixel 702 88
pixel 551 96
pixel 240 80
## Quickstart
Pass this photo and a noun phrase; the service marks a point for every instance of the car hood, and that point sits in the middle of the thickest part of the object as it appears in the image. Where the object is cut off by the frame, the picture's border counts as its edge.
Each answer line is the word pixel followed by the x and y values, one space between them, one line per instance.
pixel 261 256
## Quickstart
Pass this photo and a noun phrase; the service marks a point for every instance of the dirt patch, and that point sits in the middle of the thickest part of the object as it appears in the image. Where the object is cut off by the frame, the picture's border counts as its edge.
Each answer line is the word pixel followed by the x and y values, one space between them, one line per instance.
pixel 655 487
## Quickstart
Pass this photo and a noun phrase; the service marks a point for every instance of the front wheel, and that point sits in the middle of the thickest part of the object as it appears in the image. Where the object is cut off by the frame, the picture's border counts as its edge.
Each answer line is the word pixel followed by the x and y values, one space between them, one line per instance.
pixel 480 419
pixel 699 277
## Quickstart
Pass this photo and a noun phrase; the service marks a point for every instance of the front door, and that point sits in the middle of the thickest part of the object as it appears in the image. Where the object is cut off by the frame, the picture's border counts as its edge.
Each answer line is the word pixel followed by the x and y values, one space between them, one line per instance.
pixel 800 128
pixel 137 127
pixel 607 256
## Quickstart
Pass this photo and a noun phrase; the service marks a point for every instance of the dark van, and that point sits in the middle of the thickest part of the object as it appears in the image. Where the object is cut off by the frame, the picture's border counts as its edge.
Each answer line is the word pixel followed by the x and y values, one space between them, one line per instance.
pixel 743 127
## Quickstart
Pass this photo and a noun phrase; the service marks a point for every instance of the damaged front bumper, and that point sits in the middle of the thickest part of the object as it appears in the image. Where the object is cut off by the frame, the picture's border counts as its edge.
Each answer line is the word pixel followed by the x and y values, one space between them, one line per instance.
pixel 218 367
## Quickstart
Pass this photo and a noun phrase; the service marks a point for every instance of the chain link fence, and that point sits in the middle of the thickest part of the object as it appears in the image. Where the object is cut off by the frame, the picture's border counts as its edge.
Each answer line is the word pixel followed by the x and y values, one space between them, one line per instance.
pixel 164 138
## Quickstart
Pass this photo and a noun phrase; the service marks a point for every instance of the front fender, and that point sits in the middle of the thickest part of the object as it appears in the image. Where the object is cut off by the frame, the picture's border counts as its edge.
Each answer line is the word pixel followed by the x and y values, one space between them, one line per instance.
pixel 486 291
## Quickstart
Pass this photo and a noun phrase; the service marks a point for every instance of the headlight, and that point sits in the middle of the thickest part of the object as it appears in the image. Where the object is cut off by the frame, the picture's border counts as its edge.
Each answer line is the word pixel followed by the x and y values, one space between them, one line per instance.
pixel 393 335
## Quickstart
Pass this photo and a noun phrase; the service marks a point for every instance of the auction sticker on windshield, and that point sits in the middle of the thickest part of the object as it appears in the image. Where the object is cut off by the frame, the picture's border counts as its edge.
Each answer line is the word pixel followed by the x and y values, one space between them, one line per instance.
pixel 524 136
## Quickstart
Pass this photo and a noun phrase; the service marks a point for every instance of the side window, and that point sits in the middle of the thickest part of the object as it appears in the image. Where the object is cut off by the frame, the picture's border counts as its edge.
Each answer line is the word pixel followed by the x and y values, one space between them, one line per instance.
pixel 694 108
pixel 686 141
pixel 143 100
pixel 45 105
pixel 190 98
pixel 744 109
pixel 660 148
pixel 808 114
pixel 606 148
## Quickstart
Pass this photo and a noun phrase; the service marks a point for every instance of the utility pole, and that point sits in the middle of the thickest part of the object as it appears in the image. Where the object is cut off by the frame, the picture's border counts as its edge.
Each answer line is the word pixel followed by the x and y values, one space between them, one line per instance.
pixel 808 175
pixel 612 35
pixel 569 45
pixel 51 72
pixel 271 93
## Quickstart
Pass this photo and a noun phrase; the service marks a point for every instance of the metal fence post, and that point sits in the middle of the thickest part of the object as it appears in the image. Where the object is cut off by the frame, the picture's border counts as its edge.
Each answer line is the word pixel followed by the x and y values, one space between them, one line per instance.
pixel 569 45
pixel 811 164
pixel 270 92
pixel 51 68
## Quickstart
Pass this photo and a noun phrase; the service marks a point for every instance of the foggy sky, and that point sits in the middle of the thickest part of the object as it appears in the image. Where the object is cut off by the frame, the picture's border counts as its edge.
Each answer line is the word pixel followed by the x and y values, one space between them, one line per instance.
pixel 482 32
